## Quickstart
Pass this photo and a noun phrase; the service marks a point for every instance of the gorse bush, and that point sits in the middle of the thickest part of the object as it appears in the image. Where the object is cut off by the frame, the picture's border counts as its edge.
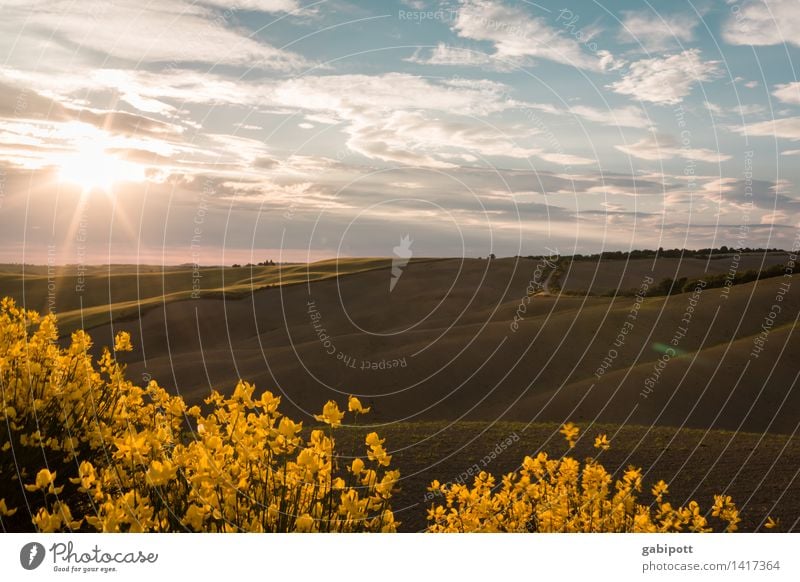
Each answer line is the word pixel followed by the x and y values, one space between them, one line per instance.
pixel 83 448
pixel 563 495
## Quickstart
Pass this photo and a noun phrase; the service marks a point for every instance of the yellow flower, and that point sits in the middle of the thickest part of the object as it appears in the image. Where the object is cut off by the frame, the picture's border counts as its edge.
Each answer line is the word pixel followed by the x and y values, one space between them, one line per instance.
pixel 269 401
pixel 304 523
pixel 357 466
pixel 379 454
pixel 45 480
pixel 47 522
pixel 4 510
pixel 376 451
pixel 122 342
pixel 570 432
pixel 374 440
pixel 330 414
pixel 660 489
pixel 726 510
pixel 601 442
pixel 195 516
pixel 288 428
pixel 771 523
pixel 86 475
pixel 354 405
pixel 131 445
pixel 161 473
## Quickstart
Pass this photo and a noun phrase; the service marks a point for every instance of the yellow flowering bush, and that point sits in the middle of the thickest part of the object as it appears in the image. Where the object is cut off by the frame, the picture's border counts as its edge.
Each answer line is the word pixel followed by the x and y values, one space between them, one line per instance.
pixel 84 448
pixel 563 495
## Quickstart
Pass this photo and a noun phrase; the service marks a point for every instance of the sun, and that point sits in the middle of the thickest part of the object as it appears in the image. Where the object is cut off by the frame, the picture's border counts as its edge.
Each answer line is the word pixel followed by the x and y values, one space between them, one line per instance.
pixel 92 167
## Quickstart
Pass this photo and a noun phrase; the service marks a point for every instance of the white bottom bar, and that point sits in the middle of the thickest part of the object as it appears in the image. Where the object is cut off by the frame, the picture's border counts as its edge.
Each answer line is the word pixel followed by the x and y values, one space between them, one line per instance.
pixel 391 557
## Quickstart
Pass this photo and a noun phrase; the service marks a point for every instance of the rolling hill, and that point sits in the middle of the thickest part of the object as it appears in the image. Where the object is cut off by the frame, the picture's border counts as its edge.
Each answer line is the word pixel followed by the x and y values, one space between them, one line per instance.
pixel 442 346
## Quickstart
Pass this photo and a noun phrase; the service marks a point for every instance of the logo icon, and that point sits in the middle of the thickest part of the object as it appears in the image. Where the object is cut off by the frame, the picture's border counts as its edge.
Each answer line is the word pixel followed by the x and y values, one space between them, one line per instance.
pixel 31 555
pixel 402 254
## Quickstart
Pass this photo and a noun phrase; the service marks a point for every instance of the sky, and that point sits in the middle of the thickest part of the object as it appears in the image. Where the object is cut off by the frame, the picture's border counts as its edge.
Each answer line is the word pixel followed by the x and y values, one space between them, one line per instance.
pixel 223 131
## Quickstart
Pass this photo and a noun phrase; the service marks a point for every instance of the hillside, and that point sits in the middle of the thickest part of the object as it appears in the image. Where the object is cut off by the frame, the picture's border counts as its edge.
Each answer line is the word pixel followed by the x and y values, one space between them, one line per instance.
pixel 443 346
pixel 92 295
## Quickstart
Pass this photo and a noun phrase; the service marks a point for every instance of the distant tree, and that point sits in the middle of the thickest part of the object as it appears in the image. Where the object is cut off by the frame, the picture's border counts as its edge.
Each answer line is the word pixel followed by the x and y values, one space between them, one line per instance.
pixel 236 265
pixel 492 257
pixel 664 287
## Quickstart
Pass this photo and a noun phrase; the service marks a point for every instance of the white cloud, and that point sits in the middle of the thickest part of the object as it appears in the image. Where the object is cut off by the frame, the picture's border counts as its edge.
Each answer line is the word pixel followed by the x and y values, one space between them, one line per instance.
pixel 515 33
pixel 657 32
pixel 392 117
pixel 788 128
pixel 743 110
pixel 341 95
pixel 177 31
pixel 660 147
pixel 761 23
pixel 254 5
pixel 789 93
pixel 630 116
pixel 713 108
pixel 447 55
pixel 666 80
pixel 413 138
pixel 747 110
pixel 408 119
pixel 566 159
pixel 144 90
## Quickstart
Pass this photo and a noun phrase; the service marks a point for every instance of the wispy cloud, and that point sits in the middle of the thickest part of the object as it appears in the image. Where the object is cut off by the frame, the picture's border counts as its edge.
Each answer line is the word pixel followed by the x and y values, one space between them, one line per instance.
pixel 762 23
pixel 666 80
pixel 788 93
pixel 656 31
pixel 169 31
pixel 662 147
pixel 515 33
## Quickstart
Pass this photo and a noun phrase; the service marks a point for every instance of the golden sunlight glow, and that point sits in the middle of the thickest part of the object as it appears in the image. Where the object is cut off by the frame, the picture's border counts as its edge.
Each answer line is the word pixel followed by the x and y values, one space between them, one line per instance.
pixel 92 167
